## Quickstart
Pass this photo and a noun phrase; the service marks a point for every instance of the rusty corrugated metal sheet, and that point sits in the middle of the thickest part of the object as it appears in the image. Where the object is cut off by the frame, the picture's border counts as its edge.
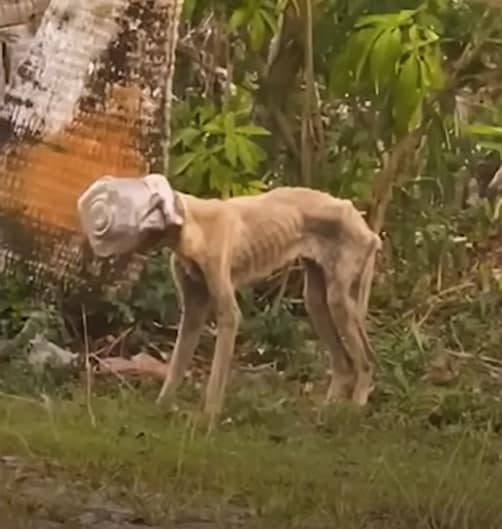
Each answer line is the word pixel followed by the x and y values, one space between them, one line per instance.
pixel 74 114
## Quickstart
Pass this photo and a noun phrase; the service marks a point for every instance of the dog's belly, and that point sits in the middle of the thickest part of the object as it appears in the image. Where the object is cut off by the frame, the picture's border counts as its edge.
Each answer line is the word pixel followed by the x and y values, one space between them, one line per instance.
pixel 271 245
pixel 248 274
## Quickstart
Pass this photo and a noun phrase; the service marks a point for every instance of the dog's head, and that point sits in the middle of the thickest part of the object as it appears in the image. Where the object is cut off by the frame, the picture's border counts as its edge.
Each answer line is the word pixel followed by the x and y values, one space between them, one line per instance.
pixel 121 215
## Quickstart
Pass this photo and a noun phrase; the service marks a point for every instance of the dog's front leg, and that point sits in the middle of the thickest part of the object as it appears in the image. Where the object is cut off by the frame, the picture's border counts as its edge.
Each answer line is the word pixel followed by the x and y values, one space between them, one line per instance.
pixel 195 304
pixel 228 317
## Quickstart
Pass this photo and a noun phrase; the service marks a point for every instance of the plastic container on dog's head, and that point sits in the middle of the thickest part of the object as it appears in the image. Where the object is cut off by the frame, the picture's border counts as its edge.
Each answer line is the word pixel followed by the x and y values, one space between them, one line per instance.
pixel 118 214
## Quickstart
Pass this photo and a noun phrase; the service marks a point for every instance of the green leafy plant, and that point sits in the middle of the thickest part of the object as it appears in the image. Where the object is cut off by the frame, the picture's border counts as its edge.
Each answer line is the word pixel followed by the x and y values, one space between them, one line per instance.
pixel 15 303
pixel 394 57
pixel 216 151
pixel 154 298
pixel 256 16
pixel 486 136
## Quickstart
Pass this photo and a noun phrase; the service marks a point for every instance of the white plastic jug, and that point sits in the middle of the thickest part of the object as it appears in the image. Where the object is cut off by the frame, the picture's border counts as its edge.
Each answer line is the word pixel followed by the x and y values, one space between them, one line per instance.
pixel 118 214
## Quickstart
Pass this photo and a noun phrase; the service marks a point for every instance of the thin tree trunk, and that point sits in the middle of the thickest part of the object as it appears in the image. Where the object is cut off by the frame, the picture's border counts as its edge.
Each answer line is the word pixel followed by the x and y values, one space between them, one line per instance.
pixel 91 98
pixel 395 170
pixel 307 144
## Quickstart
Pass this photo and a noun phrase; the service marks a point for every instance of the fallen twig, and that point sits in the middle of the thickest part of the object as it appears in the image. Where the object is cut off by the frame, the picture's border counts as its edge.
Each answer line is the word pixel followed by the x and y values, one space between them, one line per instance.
pixel 20 398
pixel 434 301
pixel 491 364
pixel 120 338
pixel 161 353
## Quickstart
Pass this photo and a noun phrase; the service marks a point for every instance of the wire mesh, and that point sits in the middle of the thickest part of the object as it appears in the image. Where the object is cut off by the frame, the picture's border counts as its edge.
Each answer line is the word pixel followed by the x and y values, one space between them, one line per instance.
pixel 91 98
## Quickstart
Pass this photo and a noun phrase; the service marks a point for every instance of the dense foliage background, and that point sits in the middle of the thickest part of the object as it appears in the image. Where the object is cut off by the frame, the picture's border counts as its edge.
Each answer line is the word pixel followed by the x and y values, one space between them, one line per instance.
pixel 393 104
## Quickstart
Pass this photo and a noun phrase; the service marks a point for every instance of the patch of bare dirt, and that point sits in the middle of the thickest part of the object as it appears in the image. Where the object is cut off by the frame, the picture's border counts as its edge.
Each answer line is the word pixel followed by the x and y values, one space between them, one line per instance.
pixel 32 496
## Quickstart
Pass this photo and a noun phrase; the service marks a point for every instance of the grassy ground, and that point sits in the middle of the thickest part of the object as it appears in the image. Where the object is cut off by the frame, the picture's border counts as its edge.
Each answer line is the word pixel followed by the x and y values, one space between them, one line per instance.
pixel 424 454
pixel 430 459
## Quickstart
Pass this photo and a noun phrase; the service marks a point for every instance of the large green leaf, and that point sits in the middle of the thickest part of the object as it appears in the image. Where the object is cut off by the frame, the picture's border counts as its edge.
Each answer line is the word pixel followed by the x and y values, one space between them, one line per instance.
pixel 213 128
pixel 419 38
pixel 231 149
pixel 407 93
pixel 183 161
pixel 199 165
pixel 255 187
pixel 257 31
pixel 424 76
pixel 430 35
pixel 369 36
pixel 185 136
pixel 414 36
pixel 269 20
pixel 387 20
pixel 340 75
pixel 238 18
pixel 434 62
pixel 252 130
pixel 219 177
pixel 229 123
pixel 249 153
pixel 347 66
pixel 480 129
pixel 205 112
pixel 384 56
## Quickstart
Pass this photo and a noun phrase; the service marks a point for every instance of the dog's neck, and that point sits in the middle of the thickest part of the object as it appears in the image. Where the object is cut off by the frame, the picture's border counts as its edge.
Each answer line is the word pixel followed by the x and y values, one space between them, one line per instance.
pixel 187 238
pixel 173 233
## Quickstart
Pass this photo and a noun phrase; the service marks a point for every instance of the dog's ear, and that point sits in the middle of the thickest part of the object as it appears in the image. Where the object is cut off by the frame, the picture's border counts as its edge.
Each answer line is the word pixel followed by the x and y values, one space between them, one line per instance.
pixel 166 199
pixel 179 208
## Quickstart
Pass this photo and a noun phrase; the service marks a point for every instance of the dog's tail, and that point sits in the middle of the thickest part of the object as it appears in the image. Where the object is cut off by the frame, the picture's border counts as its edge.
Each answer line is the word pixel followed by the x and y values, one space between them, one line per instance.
pixel 364 291
pixel 367 272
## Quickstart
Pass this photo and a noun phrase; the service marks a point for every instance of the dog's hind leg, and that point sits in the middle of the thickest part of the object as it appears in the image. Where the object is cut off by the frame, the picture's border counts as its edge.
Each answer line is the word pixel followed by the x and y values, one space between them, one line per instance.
pixel 314 293
pixel 350 328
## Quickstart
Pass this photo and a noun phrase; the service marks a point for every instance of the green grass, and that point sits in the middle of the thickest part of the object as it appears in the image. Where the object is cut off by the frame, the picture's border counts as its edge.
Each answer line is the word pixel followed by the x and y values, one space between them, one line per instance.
pixel 276 465
pixel 419 456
